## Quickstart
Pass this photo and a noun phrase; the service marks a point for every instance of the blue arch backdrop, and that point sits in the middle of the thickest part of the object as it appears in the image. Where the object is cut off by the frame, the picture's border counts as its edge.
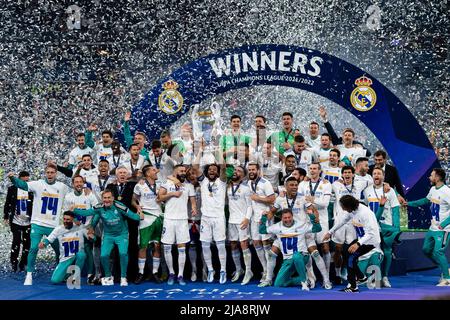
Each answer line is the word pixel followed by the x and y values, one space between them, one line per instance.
pixel 314 71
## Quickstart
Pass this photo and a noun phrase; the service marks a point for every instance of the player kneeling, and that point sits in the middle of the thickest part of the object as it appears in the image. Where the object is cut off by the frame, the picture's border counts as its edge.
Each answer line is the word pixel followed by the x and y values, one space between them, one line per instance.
pixel 291 241
pixel 71 243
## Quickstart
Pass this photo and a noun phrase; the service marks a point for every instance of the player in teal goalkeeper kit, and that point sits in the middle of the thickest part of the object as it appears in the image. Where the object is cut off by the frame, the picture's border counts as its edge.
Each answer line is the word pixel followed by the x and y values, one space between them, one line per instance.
pixel 115 231
pixel 291 241
pixel 437 238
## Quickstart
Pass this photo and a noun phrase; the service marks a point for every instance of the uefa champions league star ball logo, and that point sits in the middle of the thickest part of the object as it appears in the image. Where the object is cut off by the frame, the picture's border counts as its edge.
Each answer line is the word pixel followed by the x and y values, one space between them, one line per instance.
pixel 170 100
pixel 363 97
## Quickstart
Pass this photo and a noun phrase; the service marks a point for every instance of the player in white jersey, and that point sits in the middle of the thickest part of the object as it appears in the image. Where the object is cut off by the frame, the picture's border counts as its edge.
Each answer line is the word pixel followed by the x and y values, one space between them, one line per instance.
pixel 175 226
pixel 303 156
pixel 386 207
pixel 118 157
pixel 103 150
pixel 270 164
pixel 346 234
pixel 437 238
pixel 47 204
pixel 86 169
pixel 332 172
pixel 322 152
pixel 350 152
pixel 159 159
pixel 98 184
pixel 263 197
pixel 194 228
pixel 239 223
pixel 77 199
pixel 135 161
pixel 368 237
pixel 258 134
pixel 316 193
pixel 313 140
pixel 77 153
pixel 213 184
pixel 17 214
pixel 71 241
pixel 148 205
pixel 292 201
pixel 291 241
pixel 361 173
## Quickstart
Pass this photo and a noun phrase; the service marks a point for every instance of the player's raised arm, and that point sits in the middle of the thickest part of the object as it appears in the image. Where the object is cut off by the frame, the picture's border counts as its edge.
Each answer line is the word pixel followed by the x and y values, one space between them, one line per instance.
pixel 18 182
pixel 88 135
pixel 123 209
pixel 126 129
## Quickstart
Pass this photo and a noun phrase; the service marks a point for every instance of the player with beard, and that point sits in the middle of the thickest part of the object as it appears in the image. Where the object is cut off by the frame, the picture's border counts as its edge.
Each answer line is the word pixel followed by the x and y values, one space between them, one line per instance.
pixel 262 198
pixel 135 162
pixel 437 238
pixel 103 150
pixel 213 184
pixel 147 204
pixel 175 226
pixel 322 152
pixel 79 199
pixel 118 158
pixel 316 192
pixel 194 227
pixel 346 234
pixel 270 164
pixel 289 200
pixel 76 155
pixel 291 235
pixel 387 210
pixel 238 224
pixel 98 184
pixel 71 240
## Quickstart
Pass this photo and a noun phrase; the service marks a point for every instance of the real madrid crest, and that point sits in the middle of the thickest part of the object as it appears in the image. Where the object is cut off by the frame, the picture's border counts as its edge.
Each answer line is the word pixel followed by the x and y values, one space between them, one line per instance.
pixel 170 100
pixel 363 97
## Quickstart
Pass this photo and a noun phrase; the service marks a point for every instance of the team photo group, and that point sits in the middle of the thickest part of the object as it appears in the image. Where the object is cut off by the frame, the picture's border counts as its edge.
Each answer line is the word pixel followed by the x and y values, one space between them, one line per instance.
pixel 302 208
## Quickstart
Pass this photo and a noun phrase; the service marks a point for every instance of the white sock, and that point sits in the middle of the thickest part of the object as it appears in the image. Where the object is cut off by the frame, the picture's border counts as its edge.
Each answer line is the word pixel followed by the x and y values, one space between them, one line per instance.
pixel 267 250
pixel 327 260
pixel 222 255
pixel 168 257
pixel 321 265
pixel 141 265
pixel 262 257
pixel 181 260
pixel 206 249
pixel 247 259
pixel 309 266
pixel 236 254
pixel 156 263
pixel 271 263
pixel 193 258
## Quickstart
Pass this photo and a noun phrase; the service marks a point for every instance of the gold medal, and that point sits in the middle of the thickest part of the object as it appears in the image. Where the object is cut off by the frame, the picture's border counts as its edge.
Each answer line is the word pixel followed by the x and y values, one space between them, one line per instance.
pixel 119 198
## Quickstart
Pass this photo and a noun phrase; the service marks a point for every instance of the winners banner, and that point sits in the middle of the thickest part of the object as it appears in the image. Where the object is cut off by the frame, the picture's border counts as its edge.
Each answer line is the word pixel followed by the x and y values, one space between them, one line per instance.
pixel 328 76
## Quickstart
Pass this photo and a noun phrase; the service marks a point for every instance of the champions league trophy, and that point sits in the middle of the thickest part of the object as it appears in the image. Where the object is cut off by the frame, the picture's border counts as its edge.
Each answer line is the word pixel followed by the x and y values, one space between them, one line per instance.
pixel 206 125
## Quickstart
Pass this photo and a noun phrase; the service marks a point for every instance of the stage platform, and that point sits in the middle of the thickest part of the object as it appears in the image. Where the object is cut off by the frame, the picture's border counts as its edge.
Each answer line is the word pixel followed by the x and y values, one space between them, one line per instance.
pixel 414 286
